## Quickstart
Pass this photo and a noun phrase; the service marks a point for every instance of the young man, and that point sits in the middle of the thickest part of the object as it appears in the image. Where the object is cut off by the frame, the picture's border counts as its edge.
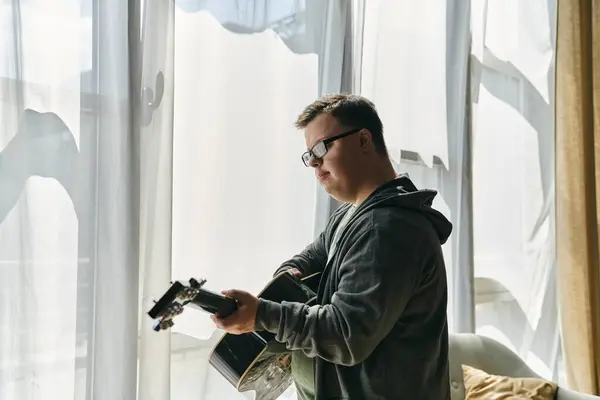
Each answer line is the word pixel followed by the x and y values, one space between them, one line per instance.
pixel 379 330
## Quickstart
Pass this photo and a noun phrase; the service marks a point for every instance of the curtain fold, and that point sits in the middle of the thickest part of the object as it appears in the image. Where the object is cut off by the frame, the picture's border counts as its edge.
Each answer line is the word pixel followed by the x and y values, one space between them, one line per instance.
pixel 456 184
pixel 115 298
pixel 578 189
pixel 155 127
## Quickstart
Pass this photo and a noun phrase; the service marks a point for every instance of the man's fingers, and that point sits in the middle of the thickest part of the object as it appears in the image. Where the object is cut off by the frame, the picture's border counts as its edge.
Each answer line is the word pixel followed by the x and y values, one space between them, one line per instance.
pixel 295 271
pixel 223 322
pixel 228 324
pixel 217 321
pixel 242 320
pixel 234 294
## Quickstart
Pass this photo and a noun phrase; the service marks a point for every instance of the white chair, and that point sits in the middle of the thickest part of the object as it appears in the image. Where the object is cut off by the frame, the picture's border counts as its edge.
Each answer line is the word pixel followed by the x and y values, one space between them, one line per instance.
pixel 494 358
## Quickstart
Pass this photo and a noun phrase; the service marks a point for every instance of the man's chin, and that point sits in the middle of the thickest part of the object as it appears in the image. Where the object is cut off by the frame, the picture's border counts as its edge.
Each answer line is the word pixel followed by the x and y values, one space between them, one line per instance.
pixel 329 188
pixel 334 191
pixel 325 184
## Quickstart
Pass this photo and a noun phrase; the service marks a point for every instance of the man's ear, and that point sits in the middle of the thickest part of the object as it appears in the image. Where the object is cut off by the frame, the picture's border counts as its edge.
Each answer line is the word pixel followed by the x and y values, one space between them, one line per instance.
pixel 366 141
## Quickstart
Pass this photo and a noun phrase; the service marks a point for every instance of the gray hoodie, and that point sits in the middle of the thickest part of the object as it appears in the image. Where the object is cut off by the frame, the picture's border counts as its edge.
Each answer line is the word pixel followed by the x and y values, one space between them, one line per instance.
pixel 379 329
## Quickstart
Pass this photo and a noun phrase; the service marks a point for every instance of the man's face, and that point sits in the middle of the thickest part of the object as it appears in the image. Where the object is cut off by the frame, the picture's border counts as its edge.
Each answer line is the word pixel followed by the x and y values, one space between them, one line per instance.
pixel 338 170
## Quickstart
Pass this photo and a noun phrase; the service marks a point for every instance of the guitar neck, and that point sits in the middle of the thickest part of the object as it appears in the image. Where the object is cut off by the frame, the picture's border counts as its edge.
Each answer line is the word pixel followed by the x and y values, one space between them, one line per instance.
pixel 214 303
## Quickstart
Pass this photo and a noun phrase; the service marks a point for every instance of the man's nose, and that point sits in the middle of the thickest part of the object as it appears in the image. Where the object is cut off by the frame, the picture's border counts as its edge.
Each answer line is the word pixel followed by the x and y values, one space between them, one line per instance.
pixel 314 162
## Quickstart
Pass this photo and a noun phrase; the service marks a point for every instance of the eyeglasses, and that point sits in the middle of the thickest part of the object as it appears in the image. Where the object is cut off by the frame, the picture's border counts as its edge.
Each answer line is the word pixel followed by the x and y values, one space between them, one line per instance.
pixel 320 148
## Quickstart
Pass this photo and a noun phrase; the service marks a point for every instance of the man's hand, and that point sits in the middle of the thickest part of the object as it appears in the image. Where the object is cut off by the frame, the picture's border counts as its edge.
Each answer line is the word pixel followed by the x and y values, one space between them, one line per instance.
pixel 294 271
pixel 243 319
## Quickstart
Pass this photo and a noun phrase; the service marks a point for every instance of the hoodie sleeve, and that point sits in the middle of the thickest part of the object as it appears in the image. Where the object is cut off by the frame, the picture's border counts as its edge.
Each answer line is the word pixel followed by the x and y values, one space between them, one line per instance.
pixel 376 280
pixel 311 260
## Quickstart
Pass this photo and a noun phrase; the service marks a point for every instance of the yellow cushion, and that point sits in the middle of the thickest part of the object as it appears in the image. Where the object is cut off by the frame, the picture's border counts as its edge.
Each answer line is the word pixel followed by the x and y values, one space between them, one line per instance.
pixel 480 385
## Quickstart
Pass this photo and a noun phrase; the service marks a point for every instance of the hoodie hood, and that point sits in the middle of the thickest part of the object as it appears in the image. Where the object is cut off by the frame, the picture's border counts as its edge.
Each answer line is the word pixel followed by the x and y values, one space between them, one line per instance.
pixel 401 192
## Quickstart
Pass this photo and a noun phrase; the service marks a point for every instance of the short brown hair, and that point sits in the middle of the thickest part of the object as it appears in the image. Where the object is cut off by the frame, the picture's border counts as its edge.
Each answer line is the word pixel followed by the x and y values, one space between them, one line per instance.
pixel 351 111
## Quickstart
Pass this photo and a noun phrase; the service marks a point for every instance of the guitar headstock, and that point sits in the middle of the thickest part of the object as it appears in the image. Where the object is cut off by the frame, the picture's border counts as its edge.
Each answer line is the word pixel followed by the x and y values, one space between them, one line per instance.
pixel 173 301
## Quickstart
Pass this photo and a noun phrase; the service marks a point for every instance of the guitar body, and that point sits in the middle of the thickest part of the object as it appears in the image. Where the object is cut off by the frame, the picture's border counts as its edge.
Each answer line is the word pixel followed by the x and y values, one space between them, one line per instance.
pixel 255 361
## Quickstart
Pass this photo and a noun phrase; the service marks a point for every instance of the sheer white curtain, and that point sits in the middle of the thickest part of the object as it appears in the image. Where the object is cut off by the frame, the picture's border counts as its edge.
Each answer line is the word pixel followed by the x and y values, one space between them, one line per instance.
pixel 155 117
pixel 414 67
pixel 404 60
pixel 242 201
pixel 513 178
pixel 68 229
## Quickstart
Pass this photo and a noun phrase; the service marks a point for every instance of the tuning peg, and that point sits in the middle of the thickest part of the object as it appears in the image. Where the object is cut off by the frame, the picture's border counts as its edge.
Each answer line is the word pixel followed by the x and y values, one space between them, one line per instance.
pixel 195 284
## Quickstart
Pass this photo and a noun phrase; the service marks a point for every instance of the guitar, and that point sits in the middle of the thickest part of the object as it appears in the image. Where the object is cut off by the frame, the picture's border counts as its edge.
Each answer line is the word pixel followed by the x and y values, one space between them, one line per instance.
pixel 251 361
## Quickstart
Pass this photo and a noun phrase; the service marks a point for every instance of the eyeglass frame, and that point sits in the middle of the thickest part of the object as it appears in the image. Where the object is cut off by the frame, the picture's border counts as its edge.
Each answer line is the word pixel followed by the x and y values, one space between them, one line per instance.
pixel 326 142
